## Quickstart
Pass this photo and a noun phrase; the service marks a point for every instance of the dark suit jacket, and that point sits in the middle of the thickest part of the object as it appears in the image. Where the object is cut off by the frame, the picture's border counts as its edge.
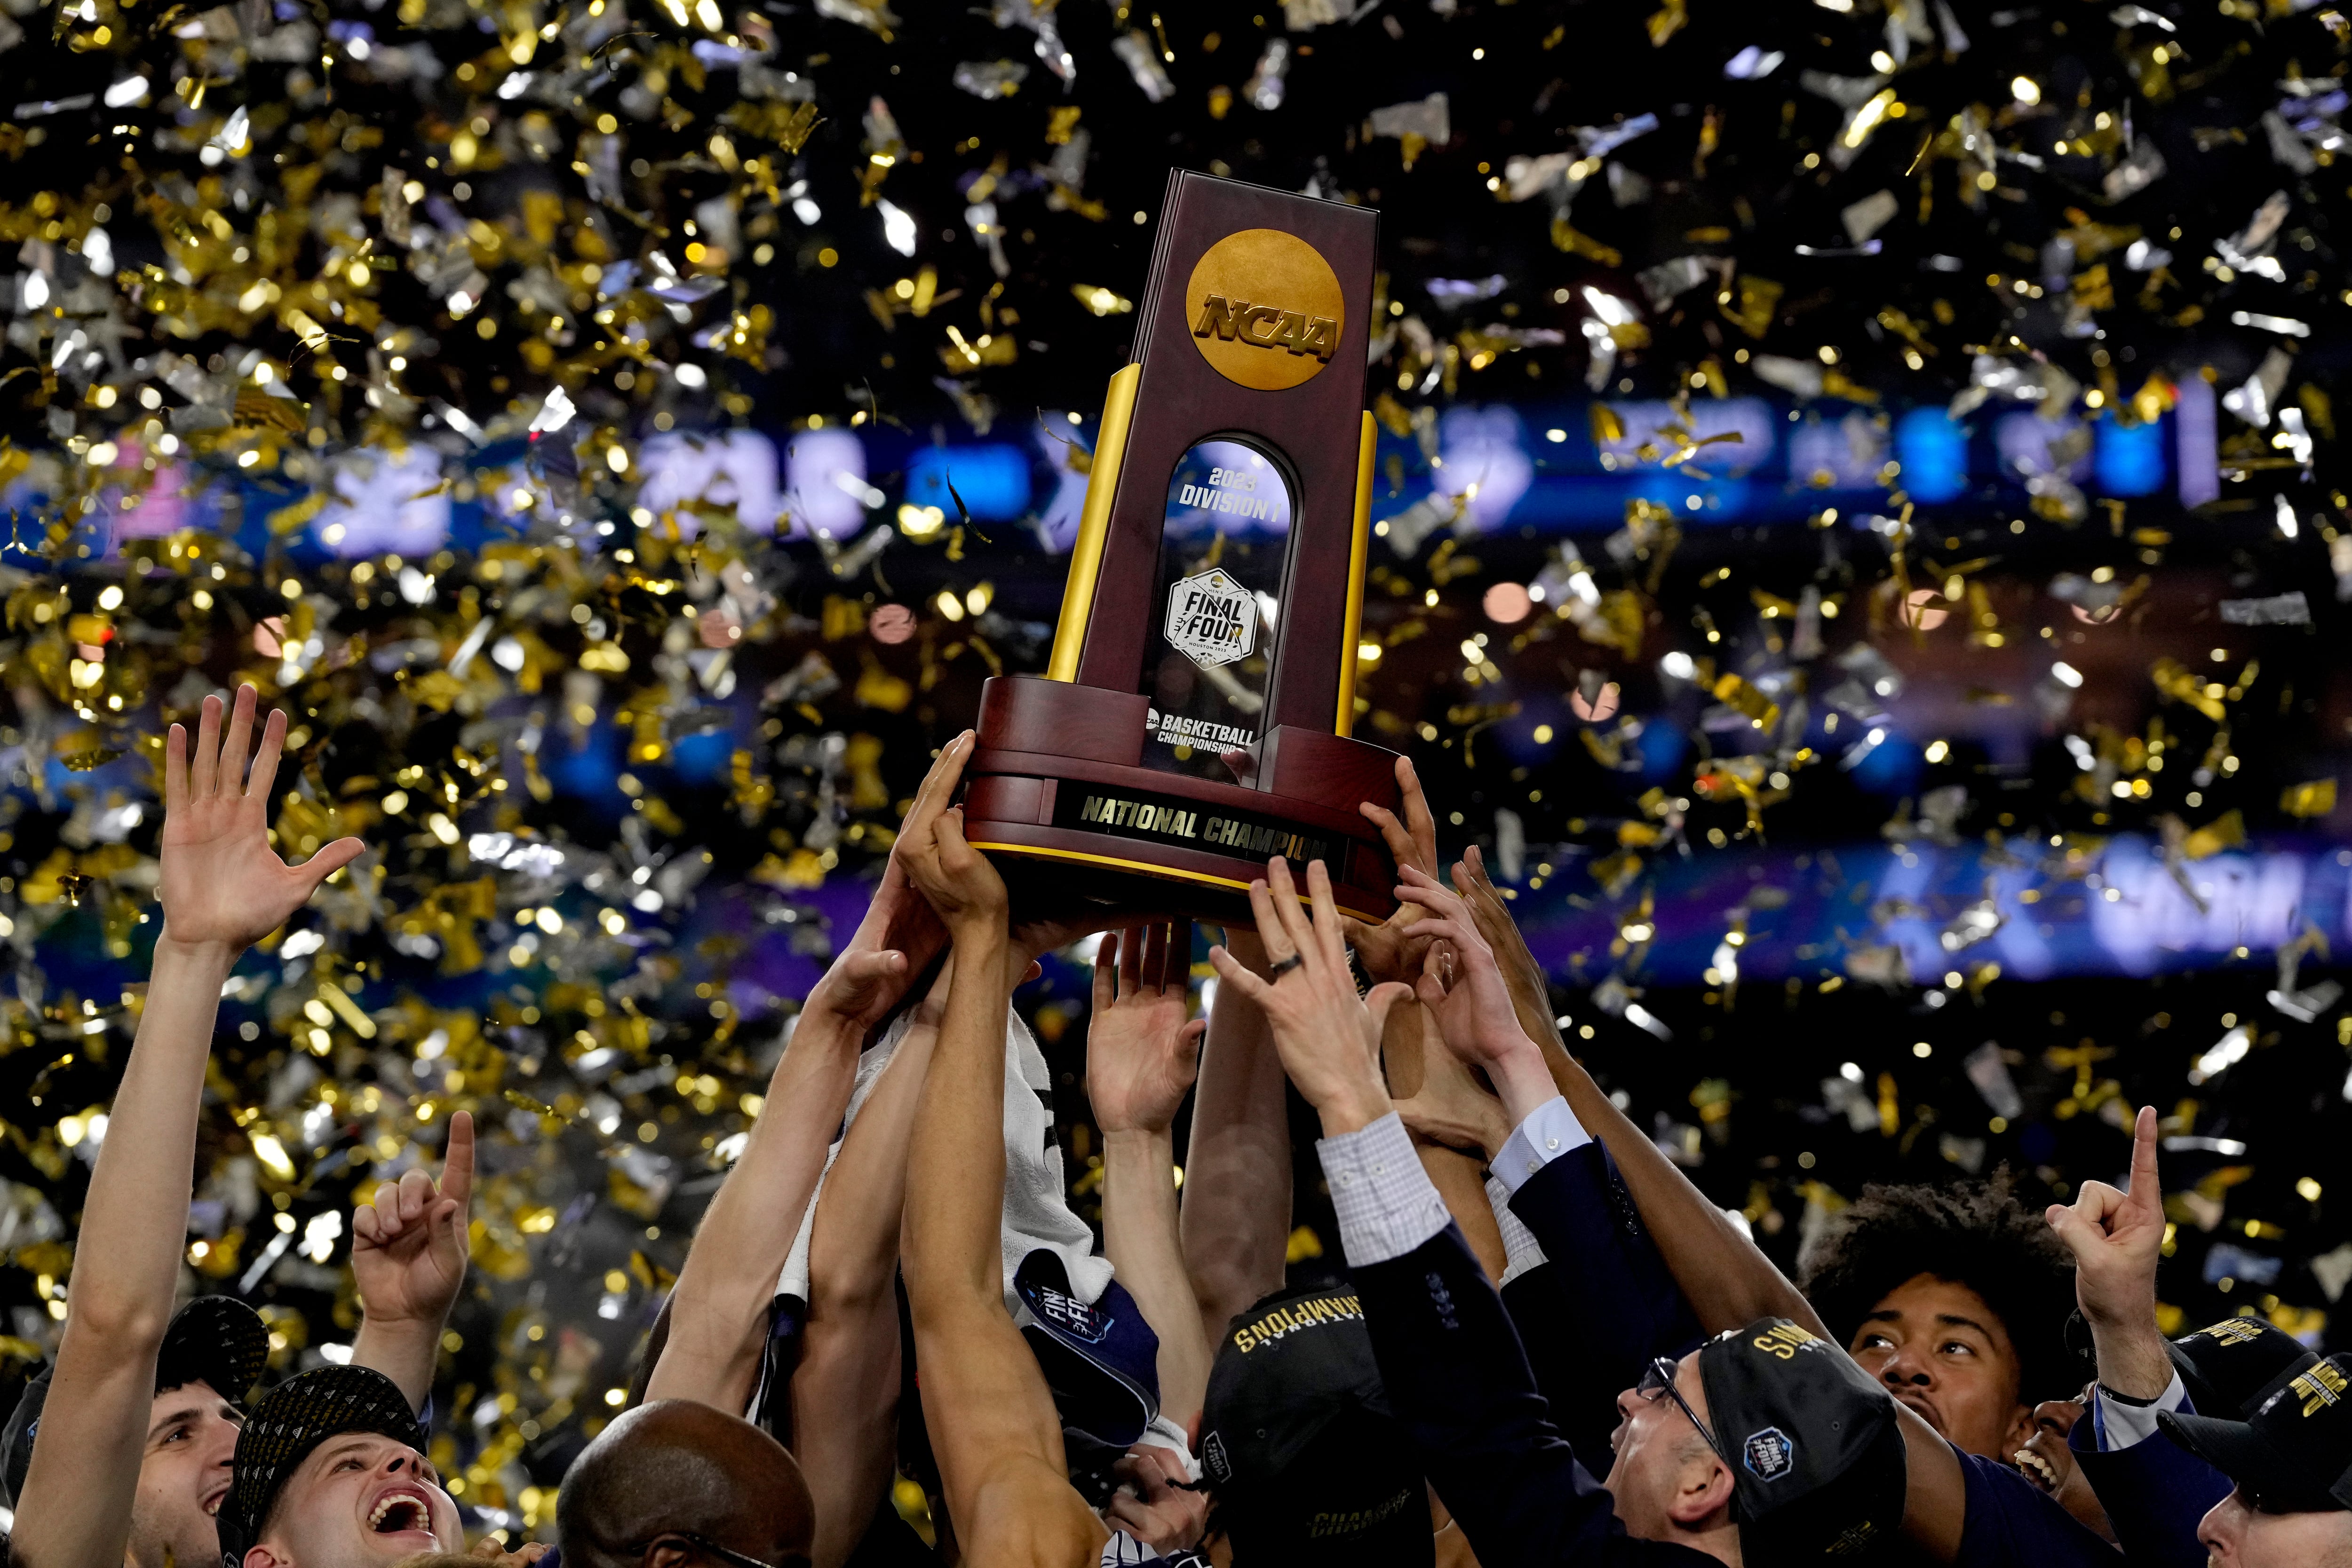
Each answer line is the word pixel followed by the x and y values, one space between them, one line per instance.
pixel 1603 1307
pixel 1624 1309
pixel 2155 1493
pixel 1458 1378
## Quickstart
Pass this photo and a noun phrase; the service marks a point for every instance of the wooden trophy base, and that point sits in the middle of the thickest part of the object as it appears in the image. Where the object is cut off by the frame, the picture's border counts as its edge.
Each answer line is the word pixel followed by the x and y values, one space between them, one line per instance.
pixel 1059 798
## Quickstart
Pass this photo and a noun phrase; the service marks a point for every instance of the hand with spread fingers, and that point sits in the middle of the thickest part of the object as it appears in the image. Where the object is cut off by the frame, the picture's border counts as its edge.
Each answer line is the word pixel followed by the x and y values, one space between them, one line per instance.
pixel 1461 985
pixel 1394 949
pixel 1141 1055
pixel 222 884
pixel 2116 1238
pixel 1530 989
pixel 955 878
pixel 1327 1036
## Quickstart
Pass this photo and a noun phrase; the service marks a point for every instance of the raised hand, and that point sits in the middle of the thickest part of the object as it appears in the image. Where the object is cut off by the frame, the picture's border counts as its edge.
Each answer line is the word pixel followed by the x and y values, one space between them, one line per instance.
pixel 1462 987
pixel 1328 1038
pixel 409 1244
pixel 898 937
pixel 955 878
pixel 2116 1238
pixel 222 886
pixel 1394 950
pixel 1141 1056
pixel 1530 990
pixel 1448 1105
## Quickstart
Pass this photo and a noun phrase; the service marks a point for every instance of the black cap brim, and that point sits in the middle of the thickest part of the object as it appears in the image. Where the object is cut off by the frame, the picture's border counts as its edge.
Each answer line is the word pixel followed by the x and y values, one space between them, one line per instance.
pixel 2246 1457
pixel 217 1341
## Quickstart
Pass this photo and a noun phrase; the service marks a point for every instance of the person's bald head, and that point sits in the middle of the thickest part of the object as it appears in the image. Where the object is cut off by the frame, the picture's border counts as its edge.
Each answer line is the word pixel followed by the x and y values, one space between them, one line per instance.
pixel 674 1469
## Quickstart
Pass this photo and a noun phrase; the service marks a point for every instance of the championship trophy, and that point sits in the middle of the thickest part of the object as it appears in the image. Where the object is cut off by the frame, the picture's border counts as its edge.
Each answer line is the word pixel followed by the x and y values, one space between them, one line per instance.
pixel 1193 720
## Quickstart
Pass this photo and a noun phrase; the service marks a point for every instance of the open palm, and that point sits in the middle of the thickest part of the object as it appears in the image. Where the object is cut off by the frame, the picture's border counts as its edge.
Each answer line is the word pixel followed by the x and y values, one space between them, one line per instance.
pixel 1141 1055
pixel 222 884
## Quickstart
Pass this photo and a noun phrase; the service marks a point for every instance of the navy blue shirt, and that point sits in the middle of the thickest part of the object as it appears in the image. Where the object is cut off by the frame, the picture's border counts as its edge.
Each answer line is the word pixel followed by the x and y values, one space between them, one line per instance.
pixel 2012 1524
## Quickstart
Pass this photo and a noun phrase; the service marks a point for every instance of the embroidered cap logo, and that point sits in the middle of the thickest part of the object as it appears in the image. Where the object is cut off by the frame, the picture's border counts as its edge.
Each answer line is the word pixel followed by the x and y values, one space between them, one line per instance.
pixel 1770 1454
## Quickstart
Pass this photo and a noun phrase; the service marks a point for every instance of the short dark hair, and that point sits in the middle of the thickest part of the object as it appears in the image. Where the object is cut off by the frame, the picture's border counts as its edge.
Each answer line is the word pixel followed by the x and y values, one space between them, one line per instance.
pixel 1971 1233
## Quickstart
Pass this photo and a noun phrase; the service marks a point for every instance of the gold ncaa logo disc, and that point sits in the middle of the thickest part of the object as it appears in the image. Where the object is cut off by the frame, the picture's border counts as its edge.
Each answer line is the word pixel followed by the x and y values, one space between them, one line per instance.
pixel 1266 308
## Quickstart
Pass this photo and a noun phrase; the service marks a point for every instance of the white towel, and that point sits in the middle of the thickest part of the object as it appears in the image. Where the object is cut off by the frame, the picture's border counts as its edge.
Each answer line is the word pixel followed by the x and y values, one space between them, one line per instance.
pixel 1036 1209
pixel 1036 1206
pixel 1165 1434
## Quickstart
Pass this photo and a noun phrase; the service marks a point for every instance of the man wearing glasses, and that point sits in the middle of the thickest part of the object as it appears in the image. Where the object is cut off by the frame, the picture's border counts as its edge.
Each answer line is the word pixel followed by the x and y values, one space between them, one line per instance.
pixel 1764 1443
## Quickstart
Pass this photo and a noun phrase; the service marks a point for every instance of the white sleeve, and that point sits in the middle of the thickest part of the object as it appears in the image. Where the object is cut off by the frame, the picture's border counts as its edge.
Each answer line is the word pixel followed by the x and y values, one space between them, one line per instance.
pixel 2124 1424
pixel 1522 1251
pixel 1550 1131
pixel 1387 1205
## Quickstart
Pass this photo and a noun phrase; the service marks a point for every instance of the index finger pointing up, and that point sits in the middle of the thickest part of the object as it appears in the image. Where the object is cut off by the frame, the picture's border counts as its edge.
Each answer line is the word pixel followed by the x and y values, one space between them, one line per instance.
pixel 2145 1189
pixel 458 1160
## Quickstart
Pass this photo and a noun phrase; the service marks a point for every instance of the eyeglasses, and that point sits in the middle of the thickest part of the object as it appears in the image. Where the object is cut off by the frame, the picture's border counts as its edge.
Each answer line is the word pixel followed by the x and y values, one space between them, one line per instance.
pixel 733 1558
pixel 1660 1379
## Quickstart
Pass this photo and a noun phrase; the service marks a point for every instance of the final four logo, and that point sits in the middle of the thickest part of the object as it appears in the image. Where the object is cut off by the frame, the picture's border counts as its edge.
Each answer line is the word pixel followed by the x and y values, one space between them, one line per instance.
pixel 1212 619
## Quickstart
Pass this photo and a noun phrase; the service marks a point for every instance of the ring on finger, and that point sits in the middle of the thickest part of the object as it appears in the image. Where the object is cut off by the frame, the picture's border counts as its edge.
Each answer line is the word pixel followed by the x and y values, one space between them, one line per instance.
pixel 1276 971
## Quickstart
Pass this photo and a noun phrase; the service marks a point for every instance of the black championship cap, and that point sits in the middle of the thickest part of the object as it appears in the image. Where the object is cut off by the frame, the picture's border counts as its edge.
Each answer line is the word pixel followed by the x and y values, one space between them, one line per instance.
pixel 2294 1453
pixel 1815 1450
pixel 291 1420
pixel 1306 1464
pixel 2231 1367
pixel 217 1341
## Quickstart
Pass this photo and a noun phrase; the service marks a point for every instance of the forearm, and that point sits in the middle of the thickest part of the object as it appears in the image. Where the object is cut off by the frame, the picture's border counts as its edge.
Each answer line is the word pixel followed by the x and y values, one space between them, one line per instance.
pixel 406 1350
pixel 720 1308
pixel 74 1509
pixel 844 1390
pixel 1457 1179
pixel 1139 1235
pixel 135 1220
pixel 955 1166
pixel 2132 1359
pixel 854 1244
pixel 845 1401
pixel 1235 1221
pixel 1728 1280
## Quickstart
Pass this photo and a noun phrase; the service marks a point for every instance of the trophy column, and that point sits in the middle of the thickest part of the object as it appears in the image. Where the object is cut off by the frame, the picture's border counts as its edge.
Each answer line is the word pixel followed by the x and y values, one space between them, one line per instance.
pixel 1194 715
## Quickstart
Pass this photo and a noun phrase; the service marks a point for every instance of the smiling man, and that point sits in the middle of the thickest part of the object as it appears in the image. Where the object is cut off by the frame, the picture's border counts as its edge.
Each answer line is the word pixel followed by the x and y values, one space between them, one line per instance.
pixel 1765 1444
pixel 331 1473
pixel 119 1454
pixel 214 1350
pixel 1957 1299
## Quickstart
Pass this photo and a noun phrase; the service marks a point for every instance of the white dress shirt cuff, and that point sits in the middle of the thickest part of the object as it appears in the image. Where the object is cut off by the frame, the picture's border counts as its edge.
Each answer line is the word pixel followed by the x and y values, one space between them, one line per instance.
pixel 1386 1203
pixel 1522 1251
pixel 2123 1424
pixel 1550 1131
